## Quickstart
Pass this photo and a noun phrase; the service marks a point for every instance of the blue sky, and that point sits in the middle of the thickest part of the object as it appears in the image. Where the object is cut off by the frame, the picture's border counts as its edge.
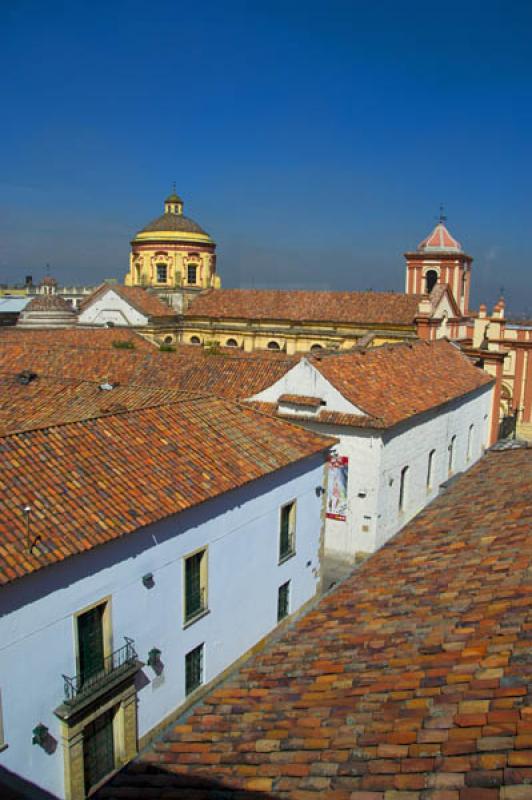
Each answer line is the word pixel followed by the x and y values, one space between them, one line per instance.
pixel 314 141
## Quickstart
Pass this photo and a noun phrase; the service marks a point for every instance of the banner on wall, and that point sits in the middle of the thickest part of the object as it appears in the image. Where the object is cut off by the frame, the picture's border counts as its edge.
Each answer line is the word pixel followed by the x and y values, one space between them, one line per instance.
pixel 337 488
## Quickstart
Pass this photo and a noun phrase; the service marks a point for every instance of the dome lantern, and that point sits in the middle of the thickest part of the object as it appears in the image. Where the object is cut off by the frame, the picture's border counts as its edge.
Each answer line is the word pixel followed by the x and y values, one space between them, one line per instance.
pixel 173 203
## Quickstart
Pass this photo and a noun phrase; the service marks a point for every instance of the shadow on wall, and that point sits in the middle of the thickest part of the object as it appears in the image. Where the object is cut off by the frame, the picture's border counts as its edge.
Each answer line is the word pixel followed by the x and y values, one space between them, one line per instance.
pixel 13 787
pixel 139 780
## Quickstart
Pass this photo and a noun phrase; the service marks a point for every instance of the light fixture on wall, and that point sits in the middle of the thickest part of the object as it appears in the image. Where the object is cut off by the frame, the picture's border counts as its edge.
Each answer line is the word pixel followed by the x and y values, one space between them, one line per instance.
pixel 319 491
pixel 147 580
pixel 154 657
pixel 40 734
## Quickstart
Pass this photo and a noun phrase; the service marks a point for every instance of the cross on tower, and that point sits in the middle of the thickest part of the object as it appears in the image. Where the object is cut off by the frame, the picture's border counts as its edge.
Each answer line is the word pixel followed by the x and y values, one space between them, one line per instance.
pixel 442 217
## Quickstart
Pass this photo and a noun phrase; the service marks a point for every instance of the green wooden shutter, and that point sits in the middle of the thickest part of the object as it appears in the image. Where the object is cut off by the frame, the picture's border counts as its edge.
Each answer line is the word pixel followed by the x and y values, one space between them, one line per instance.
pixel 193 598
pixel 90 642
pixel 284 545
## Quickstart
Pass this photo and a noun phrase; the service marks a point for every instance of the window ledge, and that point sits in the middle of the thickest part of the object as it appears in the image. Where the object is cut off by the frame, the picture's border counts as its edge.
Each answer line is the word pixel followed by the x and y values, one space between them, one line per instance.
pixel 3 747
pixel 286 557
pixel 191 620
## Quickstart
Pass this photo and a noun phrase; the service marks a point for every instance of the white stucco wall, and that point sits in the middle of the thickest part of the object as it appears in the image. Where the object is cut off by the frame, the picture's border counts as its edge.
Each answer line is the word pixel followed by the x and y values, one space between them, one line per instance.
pixel 304 379
pixel 241 530
pixel 110 307
pixel 376 459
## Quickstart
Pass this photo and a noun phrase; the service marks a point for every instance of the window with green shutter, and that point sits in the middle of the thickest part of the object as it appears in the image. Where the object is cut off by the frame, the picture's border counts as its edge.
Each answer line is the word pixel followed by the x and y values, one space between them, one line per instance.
pixel 287 535
pixel 90 643
pixel 283 601
pixel 195 585
pixel 194 669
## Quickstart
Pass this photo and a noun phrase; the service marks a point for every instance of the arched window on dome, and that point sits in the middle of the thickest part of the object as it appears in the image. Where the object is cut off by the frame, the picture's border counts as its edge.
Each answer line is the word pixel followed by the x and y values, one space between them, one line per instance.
pixel 162 273
pixel 192 274
pixel 316 348
pixel 431 279
pixel 231 343
pixel 195 340
pixel 273 345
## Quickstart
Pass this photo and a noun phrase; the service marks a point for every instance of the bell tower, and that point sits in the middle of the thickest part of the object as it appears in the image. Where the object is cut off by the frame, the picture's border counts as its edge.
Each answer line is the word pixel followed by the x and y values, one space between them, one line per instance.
pixel 440 259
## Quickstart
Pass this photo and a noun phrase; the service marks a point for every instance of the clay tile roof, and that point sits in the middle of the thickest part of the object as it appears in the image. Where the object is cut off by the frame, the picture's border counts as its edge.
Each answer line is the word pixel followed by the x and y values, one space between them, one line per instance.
pixel 301 400
pixel 409 681
pixel 394 382
pixel 44 341
pixel 141 299
pixel 304 306
pixel 49 302
pixel 440 240
pixel 174 223
pixel 85 495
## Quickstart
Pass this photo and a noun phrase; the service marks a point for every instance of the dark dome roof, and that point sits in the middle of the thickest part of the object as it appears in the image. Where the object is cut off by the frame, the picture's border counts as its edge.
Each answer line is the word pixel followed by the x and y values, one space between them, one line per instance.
pixel 173 198
pixel 173 222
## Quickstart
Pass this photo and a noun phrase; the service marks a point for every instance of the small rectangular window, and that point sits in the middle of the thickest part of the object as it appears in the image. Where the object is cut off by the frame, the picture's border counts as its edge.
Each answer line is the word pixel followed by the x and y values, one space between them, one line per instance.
pixel 287 534
pixel 470 442
pixel 194 669
pixel 430 469
pixel 195 585
pixel 403 489
pixel 192 273
pixel 451 449
pixel 162 272
pixel 283 601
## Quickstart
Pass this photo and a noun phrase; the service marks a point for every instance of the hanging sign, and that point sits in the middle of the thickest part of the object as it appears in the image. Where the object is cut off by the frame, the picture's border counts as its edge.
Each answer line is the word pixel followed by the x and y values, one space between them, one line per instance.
pixel 337 488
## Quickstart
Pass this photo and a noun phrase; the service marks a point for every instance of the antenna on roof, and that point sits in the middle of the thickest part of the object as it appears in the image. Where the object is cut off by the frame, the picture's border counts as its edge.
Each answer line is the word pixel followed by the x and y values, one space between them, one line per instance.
pixel 442 217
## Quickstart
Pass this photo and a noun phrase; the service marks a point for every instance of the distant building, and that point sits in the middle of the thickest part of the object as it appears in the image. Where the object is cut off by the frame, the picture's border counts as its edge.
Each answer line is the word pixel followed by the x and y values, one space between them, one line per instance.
pixel 113 305
pixel 47 311
pixel 502 347
pixel 174 256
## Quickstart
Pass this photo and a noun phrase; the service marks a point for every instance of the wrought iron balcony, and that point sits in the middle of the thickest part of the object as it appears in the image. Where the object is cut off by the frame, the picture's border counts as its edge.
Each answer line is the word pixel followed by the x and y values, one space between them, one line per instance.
pixel 111 668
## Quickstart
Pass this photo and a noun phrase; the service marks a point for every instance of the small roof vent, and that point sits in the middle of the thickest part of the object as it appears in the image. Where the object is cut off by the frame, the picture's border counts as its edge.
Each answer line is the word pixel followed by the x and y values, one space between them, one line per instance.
pixel 25 377
pixel 107 387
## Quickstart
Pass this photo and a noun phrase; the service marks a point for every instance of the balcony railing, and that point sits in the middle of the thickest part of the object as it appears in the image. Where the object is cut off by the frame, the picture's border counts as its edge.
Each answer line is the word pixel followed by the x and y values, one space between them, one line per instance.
pixel 84 684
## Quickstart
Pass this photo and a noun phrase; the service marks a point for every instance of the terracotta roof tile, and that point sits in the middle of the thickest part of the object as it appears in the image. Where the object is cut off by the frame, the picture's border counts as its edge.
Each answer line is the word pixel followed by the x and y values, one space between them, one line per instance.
pixel 189 369
pixel 303 306
pixel 410 681
pixel 213 445
pixel 395 382
pixel 93 338
pixel 144 301
pixel 300 400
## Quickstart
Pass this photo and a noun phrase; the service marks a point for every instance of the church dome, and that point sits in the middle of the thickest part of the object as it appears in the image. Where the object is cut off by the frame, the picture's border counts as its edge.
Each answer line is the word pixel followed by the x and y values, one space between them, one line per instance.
pixel 47 311
pixel 173 225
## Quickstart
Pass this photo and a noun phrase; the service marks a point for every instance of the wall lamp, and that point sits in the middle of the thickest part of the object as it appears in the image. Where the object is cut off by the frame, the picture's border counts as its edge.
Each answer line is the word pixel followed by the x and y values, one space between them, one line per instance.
pixel 154 657
pixel 40 735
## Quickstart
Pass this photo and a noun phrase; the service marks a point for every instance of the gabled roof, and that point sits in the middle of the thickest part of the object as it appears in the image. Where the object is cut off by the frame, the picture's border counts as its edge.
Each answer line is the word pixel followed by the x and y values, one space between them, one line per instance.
pixel 188 369
pixel 441 291
pixel 140 299
pixel 394 382
pixel 79 478
pixel 385 385
pixel 440 240
pixel 408 681
pixel 384 308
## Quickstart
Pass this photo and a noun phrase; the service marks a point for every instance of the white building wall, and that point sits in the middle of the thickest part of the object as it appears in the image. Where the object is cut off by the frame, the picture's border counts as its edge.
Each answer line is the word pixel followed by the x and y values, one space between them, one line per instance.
pixel 110 307
pixel 409 446
pixel 376 459
pixel 241 530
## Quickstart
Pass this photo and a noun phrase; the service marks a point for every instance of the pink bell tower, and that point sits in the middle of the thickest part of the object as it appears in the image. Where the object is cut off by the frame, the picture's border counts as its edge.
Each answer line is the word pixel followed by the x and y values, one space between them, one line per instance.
pixel 440 259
